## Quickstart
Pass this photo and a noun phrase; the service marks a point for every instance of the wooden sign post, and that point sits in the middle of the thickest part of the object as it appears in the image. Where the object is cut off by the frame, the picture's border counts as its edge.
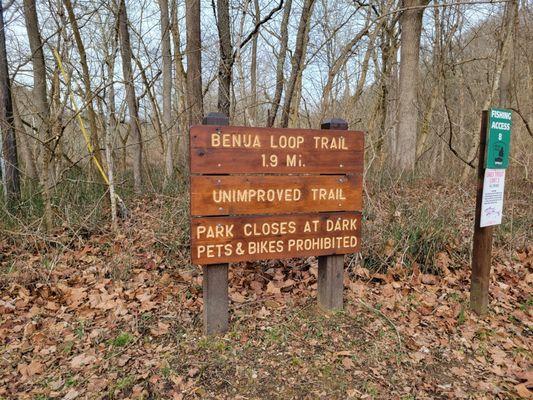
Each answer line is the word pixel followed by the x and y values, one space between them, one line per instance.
pixel 494 140
pixel 271 193
pixel 215 276
pixel 331 268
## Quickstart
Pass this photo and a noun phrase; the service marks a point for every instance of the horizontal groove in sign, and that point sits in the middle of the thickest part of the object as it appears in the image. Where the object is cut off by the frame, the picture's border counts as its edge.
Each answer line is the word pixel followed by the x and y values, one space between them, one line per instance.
pixel 259 194
pixel 245 150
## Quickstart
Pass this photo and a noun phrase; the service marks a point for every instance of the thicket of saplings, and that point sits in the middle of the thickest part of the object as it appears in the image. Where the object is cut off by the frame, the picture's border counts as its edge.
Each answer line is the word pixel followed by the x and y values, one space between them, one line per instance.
pixel 421 221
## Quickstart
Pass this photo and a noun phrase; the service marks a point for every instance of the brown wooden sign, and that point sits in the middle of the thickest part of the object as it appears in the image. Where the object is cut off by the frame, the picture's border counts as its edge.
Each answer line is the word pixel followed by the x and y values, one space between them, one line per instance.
pixel 251 194
pixel 242 150
pixel 263 237
pixel 260 193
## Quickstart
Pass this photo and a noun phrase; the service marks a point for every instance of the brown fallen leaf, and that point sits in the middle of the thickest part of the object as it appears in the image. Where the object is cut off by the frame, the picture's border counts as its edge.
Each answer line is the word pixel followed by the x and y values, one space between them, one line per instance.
pixel 31 369
pixel 347 363
pixel 523 391
pixel 71 395
pixel 81 360
pixel 429 279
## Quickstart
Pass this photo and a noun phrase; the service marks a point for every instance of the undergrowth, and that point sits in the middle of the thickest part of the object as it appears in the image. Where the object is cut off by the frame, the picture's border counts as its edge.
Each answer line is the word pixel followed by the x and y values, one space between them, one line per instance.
pixel 412 224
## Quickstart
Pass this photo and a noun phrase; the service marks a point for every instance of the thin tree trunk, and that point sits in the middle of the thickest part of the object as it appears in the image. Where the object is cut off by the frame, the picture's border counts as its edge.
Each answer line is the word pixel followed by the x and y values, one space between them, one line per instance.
pixel 411 26
pixel 41 101
pixel 225 66
pixel 253 68
pixel 298 59
pixel 194 62
pixel 111 125
pixel 23 142
pixel 95 142
pixel 181 79
pixel 125 51
pixel 10 171
pixel 194 74
pixel 510 18
pixel 280 66
pixel 435 90
pixel 167 90
pixel 340 62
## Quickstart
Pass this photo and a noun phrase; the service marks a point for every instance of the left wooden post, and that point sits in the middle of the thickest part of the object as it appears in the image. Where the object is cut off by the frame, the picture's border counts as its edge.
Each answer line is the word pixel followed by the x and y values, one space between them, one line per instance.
pixel 215 276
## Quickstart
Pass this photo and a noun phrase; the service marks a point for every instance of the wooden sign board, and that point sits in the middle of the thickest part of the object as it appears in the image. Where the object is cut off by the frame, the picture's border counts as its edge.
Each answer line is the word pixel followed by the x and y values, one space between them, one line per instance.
pixel 243 150
pixel 261 193
pixel 263 237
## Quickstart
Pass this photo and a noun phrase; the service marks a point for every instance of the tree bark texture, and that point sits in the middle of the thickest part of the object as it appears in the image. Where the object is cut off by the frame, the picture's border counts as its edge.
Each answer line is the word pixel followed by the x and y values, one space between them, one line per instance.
pixel 226 57
pixel 10 171
pixel 125 51
pixel 40 98
pixel 411 29
pixel 167 89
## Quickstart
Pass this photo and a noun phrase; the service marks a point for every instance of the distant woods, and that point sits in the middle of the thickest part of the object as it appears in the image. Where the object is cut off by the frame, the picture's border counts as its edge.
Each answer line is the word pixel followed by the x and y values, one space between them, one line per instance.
pixel 103 93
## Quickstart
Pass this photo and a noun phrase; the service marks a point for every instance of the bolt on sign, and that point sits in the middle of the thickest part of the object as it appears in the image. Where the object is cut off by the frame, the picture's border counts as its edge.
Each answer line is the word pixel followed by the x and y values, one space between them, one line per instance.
pixel 270 193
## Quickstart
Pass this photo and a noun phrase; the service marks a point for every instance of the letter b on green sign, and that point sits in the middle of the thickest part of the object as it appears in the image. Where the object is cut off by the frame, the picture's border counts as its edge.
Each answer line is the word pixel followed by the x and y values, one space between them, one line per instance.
pixel 498 146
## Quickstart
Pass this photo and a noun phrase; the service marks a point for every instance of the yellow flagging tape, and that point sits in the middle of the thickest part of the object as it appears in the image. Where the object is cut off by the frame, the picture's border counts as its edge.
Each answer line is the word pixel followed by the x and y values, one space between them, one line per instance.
pixel 80 121
pixel 122 206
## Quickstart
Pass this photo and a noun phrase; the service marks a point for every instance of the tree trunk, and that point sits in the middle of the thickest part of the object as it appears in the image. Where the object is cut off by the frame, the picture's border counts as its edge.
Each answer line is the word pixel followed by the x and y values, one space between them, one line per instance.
pixel 437 71
pixel 125 51
pixel 411 26
pixel 23 143
pixel 226 57
pixel 280 66
pixel 194 62
pixel 298 59
pixel 41 102
pixel 253 68
pixel 194 74
pixel 167 89
pixel 10 172
pixel 511 23
pixel 181 82
pixel 95 142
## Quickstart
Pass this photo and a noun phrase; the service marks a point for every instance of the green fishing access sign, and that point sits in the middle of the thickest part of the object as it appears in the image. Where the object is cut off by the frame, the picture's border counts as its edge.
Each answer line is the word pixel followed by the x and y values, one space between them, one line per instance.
pixel 499 140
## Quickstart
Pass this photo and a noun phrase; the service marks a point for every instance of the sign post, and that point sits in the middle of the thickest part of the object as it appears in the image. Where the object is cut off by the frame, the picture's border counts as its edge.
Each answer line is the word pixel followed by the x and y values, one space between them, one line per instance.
pixel 330 283
pixel 493 159
pixel 272 193
pixel 215 276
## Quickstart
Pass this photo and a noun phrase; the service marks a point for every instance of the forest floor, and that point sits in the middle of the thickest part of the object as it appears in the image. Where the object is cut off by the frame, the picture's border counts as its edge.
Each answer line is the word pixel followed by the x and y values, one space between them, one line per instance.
pixel 112 314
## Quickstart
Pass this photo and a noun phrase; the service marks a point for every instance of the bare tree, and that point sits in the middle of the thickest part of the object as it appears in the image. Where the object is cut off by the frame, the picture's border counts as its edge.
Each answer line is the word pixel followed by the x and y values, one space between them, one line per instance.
pixel 125 51
pixel 226 57
pixel 406 134
pixel 194 62
pixel 298 59
pixel 167 89
pixel 10 170
pixel 95 142
pixel 41 101
pixel 253 67
pixel 280 65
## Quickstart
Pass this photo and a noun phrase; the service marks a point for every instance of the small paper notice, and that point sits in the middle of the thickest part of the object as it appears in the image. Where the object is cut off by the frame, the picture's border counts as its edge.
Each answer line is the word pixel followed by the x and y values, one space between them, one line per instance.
pixel 492 200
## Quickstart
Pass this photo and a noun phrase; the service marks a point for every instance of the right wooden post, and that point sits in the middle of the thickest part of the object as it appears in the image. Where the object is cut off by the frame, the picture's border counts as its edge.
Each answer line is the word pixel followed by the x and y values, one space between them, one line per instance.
pixel 482 246
pixel 330 284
